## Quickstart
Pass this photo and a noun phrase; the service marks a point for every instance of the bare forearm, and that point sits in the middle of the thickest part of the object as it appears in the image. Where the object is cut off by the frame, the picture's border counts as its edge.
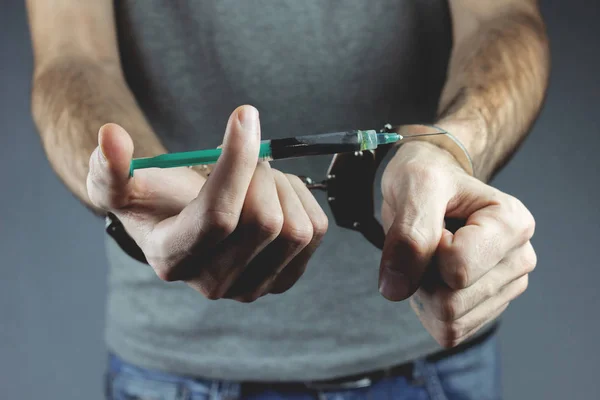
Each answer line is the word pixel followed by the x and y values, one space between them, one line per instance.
pixel 71 100
pixel 496 86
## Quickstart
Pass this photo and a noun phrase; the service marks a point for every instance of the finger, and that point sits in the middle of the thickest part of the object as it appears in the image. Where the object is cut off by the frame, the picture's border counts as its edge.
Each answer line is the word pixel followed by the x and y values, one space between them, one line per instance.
pixel 214 214
pixel 157 191
pixel 420 202
pixel 108 183
pixel 226 191
pixel 296 233
pixel 447 304
pixel 449 333
pixel 453 335
pixel 261 220
pixel 491 318
pixel 297 266
pixel 142 201
pixel 494 227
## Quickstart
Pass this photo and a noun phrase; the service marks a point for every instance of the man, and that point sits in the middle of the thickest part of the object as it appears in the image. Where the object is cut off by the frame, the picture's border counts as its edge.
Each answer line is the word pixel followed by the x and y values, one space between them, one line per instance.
pixel 245 288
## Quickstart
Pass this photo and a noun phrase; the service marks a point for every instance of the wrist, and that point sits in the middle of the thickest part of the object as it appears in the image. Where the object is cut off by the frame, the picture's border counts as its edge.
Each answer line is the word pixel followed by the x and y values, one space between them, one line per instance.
pixel 424 152
pixel 472 133
pixel 447 145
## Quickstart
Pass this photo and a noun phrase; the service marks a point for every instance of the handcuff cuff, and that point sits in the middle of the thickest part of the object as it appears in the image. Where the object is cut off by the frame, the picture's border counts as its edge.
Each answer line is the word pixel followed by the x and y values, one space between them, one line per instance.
pixel 349 185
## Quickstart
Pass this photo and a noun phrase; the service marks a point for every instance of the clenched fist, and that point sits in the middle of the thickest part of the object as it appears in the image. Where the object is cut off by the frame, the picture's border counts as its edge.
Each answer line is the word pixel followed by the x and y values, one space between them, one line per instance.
pixel 458 281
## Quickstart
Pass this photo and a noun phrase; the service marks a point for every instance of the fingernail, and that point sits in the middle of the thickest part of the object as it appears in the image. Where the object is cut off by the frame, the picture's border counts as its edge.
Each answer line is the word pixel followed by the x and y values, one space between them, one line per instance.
pixel 248 117
pixel 394 285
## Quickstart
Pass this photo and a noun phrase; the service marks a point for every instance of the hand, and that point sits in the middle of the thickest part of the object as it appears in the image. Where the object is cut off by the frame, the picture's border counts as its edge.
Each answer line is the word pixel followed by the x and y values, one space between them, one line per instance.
pixel 247 231
pixel 458 282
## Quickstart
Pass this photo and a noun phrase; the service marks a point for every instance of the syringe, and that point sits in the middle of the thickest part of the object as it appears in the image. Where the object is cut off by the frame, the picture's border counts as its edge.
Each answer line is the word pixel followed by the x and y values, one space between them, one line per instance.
pixel 278 149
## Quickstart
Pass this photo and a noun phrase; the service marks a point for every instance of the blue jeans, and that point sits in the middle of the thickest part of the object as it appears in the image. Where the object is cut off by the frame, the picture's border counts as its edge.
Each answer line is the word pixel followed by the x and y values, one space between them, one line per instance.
pixel 471 374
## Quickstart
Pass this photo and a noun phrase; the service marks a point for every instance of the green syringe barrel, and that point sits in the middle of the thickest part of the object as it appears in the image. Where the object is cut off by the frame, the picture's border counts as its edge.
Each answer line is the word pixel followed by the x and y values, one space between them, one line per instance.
pixel 277 149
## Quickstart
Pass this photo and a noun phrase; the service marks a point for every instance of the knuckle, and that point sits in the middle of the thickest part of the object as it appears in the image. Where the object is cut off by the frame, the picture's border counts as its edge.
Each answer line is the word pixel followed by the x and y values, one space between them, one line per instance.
pixel 299 234
pixel 452 333
pixel 209 286
pixel 449 307
pixel 522 285
pixel 522 221
pixel 248 298
pixel 512 204
pixel 460 277
pixel 501 217
pixel 166 274
pixel 320 225
pixel 456 274
pixel 287 279
pixel 212 293
pixel 529 224
pixel 415 240
pixel 164 270
pixel 439 338
pixel 221 222
pixel 268 224
pixel 159 250
pixel 488 289
pixel 165 262
pixel 529 259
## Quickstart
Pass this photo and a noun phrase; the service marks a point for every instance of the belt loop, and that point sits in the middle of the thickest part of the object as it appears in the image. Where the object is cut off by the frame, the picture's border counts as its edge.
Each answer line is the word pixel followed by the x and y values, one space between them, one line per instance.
pixel 183 392
pixel 418 377
pixel 229 390
pixel 425 374
pixel 321 396
pixel 214 390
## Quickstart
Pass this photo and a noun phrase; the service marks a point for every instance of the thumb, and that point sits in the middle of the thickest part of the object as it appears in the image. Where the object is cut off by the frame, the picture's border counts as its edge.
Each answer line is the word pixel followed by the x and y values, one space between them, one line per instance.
pixel 413 237
pixel 108 181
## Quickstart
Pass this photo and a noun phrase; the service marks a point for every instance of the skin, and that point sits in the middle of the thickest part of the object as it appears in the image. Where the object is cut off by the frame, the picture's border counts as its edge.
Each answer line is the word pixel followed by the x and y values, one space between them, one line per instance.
pixel 245 234
pixel 246 231
pixel 460 280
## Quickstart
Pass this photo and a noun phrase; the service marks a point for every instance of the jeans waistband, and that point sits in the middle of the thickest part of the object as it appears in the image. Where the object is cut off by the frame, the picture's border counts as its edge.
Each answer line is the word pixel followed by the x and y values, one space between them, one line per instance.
pixel 369 378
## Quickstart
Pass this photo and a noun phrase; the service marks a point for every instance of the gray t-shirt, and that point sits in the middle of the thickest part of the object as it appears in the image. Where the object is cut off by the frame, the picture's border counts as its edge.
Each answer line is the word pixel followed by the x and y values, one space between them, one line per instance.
pixel 309 66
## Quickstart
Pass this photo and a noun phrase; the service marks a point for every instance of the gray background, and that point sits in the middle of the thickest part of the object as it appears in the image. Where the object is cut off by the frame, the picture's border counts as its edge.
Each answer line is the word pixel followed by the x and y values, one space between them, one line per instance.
pixel 52 283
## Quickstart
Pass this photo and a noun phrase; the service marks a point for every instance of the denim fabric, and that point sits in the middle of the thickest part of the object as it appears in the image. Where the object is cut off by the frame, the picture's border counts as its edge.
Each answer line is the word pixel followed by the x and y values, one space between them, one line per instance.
pixel 473 374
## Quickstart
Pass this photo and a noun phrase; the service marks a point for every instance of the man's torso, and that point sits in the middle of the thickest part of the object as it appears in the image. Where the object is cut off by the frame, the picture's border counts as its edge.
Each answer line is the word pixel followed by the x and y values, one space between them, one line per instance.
pixel 309 67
